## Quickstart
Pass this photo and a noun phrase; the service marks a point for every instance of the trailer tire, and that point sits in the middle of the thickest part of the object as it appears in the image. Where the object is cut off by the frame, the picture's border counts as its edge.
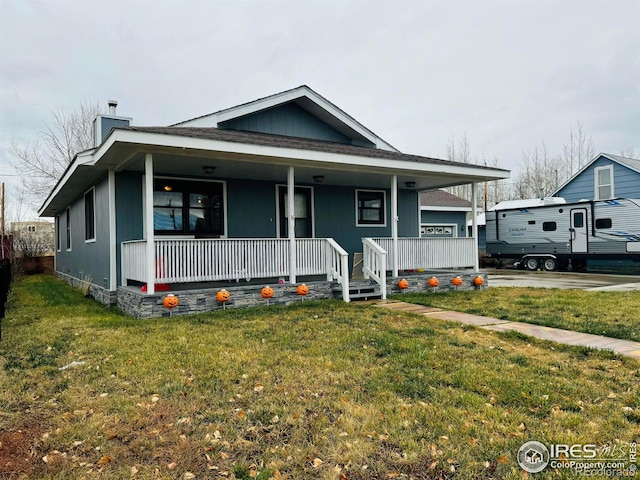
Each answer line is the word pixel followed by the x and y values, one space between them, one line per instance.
pixel 531 264
pixel 550 264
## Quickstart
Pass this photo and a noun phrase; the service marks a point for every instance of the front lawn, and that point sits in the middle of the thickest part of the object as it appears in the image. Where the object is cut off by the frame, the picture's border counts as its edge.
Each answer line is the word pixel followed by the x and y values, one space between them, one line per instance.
pixel 612 314
pixel 318 390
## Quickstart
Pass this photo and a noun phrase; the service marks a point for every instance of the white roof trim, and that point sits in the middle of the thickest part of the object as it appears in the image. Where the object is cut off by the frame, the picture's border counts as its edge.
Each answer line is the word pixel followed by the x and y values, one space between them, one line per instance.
pixel 591 162
pixel 214 119
pixel 444 209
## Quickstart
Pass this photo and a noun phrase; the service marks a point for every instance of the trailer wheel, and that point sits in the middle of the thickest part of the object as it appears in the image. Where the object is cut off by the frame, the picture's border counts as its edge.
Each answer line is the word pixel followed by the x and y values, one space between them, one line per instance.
pixel 531 264
pixel 550 264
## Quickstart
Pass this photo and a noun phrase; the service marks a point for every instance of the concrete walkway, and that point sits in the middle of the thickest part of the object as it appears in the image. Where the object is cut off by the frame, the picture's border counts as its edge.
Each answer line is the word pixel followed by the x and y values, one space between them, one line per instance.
pixel 623 347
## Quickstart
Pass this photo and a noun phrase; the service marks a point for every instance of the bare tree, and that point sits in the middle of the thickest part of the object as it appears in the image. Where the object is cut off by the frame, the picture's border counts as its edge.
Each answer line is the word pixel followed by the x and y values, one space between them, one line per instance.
pixel 540 174
pixel 578 151
pixel 460 151
pixel 42 162
pixel 629 151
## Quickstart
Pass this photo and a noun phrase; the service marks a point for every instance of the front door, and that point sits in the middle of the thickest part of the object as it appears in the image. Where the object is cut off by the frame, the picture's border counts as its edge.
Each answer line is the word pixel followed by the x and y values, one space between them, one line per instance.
pixel 302 209
pixel 579 230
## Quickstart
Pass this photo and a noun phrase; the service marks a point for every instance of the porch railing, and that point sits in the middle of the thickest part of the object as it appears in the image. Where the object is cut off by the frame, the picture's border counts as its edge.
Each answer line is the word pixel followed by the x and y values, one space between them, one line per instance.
pixel 428 253
pixel 374 264
pixel 202 260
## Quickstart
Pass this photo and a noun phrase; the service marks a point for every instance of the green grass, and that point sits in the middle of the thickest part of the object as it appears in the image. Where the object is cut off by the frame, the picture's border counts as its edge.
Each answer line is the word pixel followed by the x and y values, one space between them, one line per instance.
pixel 612 314
pixel 316 390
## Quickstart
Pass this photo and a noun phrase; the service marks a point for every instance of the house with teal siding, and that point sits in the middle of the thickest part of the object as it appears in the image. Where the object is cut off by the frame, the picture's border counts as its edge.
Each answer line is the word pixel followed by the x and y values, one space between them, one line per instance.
pixel 280 190
pixel 605 177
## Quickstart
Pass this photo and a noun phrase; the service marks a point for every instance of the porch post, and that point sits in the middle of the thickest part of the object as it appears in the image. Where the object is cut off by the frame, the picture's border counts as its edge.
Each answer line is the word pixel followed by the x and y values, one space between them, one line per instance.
pixel 113 284
pixel 291 219
pixel 394 224
pixel 474 225
pixel 148 221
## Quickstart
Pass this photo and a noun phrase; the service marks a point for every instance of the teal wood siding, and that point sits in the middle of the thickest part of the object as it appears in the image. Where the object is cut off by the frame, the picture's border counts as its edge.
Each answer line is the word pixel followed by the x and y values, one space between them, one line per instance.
pixel 251 209
pixel 626 182
pixel 128 211
pixel 446 218
pixel 86 260
pixel 292 120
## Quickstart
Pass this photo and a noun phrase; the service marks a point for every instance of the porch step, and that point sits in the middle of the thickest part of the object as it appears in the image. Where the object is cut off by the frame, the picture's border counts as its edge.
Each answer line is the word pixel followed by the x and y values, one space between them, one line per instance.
pixel 363 290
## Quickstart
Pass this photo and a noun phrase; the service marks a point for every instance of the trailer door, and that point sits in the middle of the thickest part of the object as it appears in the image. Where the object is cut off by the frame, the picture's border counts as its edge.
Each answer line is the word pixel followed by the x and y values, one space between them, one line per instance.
pixel 579 230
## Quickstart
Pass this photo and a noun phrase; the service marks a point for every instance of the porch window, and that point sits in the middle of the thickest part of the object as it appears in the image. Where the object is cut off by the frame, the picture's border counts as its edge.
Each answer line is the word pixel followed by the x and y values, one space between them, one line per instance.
pixel 184 207
pixel 370 208
pixel 603 177
pixel 89 216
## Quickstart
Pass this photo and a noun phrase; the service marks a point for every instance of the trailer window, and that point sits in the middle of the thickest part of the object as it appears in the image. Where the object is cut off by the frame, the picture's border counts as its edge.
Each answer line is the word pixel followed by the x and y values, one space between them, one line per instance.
pixel 549 226
pixel 578 220
pixel 532 222
pixel 603 223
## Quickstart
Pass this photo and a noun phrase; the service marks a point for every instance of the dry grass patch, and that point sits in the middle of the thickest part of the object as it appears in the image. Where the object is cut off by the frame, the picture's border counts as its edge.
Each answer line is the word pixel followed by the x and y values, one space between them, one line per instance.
pixel 320 390
pixel 613 314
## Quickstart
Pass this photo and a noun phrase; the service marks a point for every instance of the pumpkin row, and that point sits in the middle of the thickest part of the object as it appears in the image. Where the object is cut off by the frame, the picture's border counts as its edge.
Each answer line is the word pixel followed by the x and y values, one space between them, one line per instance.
pixel 223 295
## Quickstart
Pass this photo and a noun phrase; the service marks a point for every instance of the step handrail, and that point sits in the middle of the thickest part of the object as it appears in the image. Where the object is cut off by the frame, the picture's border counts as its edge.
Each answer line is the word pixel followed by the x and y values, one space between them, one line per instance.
pixel 338 266
pixel 374 264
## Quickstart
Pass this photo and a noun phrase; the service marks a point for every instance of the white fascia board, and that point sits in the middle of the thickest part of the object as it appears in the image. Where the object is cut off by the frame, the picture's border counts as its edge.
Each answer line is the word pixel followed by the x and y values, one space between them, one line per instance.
pixel 445 209
pixel 292 156
pixel 83 158
pixel 214 119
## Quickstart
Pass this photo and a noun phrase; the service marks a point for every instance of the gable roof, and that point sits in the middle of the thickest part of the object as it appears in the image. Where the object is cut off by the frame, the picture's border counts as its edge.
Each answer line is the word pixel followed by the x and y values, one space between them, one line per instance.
pixel 307 99
pixel 440 198
pixel 631 163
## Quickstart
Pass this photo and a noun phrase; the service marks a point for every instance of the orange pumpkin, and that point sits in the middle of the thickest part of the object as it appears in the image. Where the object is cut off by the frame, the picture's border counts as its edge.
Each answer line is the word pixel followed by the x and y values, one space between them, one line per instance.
pixel 433 282
pixel 403 284
pixel 303 289
pixel 478 281
pixel 170 301
pixel 223 296
pixel 266 292
pixel 457 281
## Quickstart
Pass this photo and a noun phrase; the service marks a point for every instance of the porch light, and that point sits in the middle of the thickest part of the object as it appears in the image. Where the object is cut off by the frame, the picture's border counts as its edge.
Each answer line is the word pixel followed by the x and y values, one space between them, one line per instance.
pixel 409 184
pixel 168 188
pixel 208 169
pixel 318 178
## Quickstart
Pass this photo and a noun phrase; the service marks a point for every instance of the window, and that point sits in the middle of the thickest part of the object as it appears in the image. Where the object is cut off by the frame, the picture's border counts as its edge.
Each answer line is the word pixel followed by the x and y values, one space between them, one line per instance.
pixel 183 207
pixel 603 223
pixel 58 246
pixel 578 220
pixel 89 216
pixel 549 226
pixel 68 226
pixel 603 178
pixel 370 208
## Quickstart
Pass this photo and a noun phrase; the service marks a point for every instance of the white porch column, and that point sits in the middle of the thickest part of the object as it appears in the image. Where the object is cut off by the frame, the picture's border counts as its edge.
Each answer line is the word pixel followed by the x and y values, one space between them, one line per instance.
pixel 148 221
pixel 394 224
pixel 291 219
pixel 474 225
pixel 113 281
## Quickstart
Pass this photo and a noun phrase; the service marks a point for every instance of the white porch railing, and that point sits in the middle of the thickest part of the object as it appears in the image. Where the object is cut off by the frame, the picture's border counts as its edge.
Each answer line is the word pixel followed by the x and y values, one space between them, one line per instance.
pixel 374 264
pixel 430 253
pixel 202 260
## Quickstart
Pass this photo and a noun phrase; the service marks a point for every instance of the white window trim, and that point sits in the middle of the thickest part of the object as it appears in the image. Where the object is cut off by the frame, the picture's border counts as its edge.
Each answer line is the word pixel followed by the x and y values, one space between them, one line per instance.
pixel 596 185
pixel 454 228
pixel 67 228
pixel 313 208
pixel 384 208
pixel 95 226
pixel 58 234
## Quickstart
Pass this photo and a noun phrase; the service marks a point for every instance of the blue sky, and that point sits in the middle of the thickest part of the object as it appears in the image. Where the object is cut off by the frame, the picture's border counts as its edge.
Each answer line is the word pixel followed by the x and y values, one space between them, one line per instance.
pixel 508 74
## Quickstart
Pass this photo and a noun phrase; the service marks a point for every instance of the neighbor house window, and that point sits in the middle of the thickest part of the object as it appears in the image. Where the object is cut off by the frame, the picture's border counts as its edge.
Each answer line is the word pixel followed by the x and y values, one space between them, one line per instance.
pixel 370 208
pixel 68 226
pixel 185 207
pixel 603 177
pixel 31 228
pixel 89 216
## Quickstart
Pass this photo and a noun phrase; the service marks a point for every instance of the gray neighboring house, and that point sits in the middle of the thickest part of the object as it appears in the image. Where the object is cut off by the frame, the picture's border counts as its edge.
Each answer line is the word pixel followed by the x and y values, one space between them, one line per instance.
pixel 443 215
pixel 285 187
pixel 605 177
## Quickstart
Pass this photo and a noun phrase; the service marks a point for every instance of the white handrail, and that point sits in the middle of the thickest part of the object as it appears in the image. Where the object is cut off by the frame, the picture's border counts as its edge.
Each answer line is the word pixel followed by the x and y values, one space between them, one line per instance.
pixel 338 266
pixel 431 253
pixel 374 264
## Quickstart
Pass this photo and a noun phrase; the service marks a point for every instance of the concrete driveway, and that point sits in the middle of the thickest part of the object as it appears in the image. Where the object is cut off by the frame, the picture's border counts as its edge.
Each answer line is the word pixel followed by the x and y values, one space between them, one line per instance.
pixel 584 281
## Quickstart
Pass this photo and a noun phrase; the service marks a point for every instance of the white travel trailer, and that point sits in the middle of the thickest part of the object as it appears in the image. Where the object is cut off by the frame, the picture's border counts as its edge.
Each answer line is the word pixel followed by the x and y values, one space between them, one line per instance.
pixel 555 234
